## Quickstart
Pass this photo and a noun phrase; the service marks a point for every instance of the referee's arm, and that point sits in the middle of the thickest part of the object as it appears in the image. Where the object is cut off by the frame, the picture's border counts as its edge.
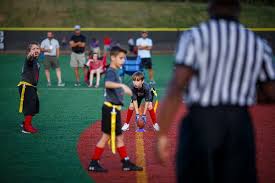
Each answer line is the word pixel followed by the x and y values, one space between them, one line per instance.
pixel 266 85
pixel 186 67
pixel 173 98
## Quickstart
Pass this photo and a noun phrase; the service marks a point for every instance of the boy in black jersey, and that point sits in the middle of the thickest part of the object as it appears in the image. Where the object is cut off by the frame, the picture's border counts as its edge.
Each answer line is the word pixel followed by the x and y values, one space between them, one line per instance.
pixel 29 102
pixel 141 90
pixel 114 91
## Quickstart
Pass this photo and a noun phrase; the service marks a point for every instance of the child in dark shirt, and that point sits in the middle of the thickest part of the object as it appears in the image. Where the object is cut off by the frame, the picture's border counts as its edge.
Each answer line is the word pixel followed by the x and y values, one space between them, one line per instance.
pixel 141 90
pixel 111 128
pixel 29 102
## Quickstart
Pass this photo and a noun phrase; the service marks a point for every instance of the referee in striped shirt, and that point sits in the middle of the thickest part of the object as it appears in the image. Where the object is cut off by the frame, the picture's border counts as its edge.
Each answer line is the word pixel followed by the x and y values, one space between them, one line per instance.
pixel 221 64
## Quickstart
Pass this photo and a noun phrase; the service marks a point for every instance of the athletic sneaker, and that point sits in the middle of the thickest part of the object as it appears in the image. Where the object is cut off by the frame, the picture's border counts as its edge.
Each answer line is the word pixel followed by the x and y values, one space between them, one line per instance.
pixel 152 82
pixel 61 84
pixel 49 84
pixel 96 167
pixel 77 84
pixel 127 165
pixel 125 127
pixel 156 126
pixel 29 130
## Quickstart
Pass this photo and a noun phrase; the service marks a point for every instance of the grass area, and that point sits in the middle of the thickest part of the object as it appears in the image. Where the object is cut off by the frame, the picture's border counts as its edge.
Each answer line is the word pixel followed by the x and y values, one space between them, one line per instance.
pixel 131 14
pixel 51 155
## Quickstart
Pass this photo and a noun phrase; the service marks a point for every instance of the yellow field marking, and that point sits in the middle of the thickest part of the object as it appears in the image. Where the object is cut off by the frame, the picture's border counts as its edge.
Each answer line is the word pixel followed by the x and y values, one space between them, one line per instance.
pixel 119 29
pixel 140 158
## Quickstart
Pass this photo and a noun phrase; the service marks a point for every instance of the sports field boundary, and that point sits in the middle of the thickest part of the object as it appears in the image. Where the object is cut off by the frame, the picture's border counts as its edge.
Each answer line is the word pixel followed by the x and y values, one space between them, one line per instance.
pixel 119 29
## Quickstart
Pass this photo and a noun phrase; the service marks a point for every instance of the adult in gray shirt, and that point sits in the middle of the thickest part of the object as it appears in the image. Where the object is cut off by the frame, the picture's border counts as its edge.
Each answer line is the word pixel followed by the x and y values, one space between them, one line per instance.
pixel 50 47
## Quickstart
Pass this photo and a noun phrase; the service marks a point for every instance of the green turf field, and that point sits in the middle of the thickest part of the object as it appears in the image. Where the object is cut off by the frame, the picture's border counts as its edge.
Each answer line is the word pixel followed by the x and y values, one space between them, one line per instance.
pixel 51 155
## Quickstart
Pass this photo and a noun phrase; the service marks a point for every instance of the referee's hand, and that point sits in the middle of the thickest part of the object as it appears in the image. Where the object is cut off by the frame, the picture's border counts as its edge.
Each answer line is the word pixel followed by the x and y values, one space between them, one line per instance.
pixel 163 149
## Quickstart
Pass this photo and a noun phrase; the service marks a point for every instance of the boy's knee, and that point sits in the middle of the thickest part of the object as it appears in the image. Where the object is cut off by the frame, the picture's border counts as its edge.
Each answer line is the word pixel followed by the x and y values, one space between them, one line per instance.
pixel 105 137
pixel 150 106
pixel 131 107
pixel 119 139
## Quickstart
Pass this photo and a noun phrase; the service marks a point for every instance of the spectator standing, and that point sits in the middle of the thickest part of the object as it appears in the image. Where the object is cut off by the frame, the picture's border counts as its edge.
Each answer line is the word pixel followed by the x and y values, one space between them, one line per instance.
pixel 144 45
pixel 64 42
pixel 131 44
pixel 107 44
pixel 77 43
pixel 94 45
pixel 50 47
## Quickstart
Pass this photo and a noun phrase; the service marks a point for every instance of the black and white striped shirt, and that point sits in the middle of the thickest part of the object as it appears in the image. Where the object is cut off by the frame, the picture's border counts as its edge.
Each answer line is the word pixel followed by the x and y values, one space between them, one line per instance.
pixel 228 59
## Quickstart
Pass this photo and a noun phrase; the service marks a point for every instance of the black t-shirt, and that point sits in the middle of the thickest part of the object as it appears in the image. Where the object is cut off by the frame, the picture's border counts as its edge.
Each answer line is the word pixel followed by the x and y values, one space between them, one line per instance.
pixel 115 96
pixel 76 39
pixel 30 71
pixel 143 92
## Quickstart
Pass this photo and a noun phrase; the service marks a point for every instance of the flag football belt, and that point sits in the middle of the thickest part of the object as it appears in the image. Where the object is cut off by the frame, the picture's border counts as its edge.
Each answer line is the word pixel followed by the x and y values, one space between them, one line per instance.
pixel 24 83
pixel 157 101
pixel 113 124
pixel 109 104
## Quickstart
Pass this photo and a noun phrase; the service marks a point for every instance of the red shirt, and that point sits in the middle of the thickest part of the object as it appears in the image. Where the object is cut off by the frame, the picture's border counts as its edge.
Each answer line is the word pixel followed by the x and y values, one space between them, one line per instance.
pixel 107 41
pixel 94 64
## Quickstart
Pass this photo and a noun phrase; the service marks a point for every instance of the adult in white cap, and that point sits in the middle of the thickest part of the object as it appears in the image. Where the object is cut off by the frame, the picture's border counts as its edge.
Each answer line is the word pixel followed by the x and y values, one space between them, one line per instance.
pixel 77 43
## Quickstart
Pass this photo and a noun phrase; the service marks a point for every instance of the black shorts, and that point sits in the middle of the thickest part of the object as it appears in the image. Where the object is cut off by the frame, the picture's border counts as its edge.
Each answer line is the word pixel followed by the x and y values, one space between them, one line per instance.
pixel 146 63
pixel 216 144
pixel 106 120
pixel 139 99
pixel 31 101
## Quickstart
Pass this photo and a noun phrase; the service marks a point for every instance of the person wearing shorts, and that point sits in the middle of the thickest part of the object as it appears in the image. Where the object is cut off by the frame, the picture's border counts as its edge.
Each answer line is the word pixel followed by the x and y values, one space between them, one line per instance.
pixel 78 43
pixel 50 47
pixel 144 45
pixel 114 91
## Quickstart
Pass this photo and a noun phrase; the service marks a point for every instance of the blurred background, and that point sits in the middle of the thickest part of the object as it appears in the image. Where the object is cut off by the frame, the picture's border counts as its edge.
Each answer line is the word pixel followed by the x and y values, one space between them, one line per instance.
pixel 52 155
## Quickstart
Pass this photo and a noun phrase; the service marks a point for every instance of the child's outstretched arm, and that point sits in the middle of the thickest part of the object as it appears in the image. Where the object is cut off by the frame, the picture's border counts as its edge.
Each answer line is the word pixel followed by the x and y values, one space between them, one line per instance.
pixel 113 85
pixel 31 55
